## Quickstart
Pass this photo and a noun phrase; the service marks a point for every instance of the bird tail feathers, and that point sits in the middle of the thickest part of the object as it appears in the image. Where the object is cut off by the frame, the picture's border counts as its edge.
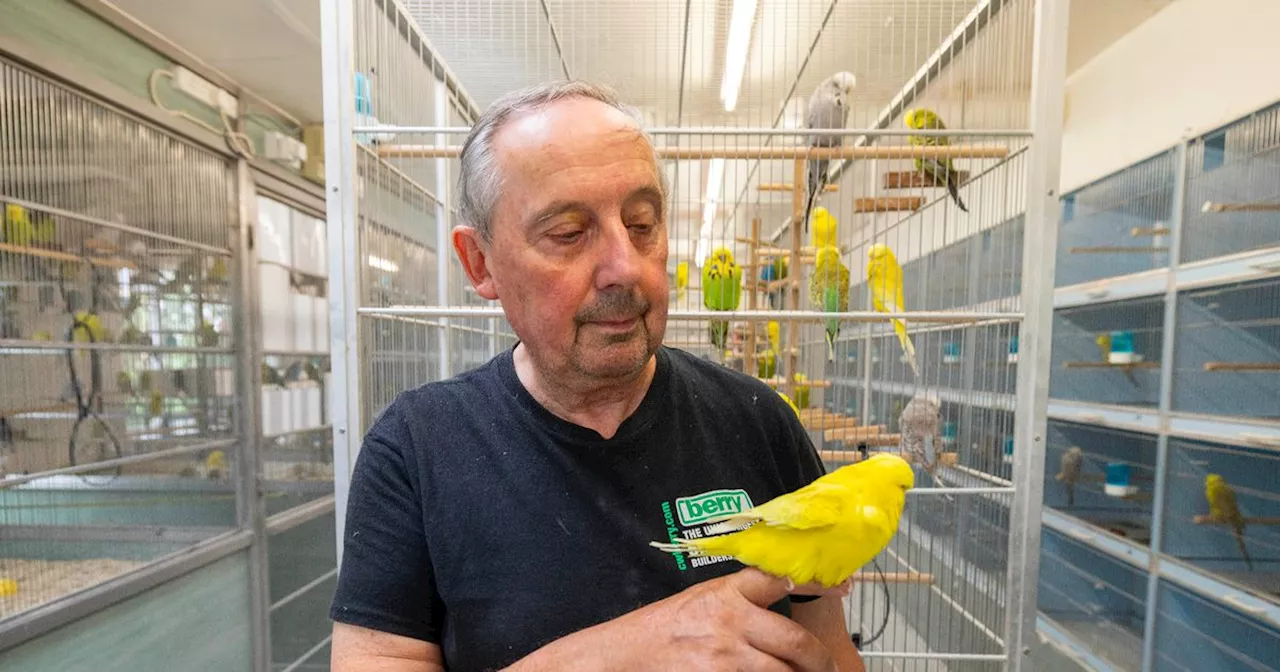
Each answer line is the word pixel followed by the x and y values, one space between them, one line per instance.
pixel 1244 552
pixel 953 186
pixel 908 347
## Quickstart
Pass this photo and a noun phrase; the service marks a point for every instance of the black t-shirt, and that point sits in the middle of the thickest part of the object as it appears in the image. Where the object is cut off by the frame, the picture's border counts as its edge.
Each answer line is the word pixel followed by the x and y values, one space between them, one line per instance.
pixel 482 522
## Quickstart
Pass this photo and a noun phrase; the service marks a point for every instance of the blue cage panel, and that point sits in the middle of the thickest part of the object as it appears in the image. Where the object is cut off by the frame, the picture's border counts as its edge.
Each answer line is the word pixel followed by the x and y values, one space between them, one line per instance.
pixel 1108 353
pixel 1227 351
pixel 1109 482
pixel 1233 188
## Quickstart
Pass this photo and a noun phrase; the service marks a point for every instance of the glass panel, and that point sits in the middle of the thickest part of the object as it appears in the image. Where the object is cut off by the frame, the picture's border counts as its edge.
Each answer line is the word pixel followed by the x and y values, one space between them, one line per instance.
pixel 1193 535
pixel 1104 477
pixel 1118 225
pixel 1194 634
pixel 1233 184
pixel 1227 353
pixel 298 557
pixel 1108 353
pixel 1097 599
pixel 199 621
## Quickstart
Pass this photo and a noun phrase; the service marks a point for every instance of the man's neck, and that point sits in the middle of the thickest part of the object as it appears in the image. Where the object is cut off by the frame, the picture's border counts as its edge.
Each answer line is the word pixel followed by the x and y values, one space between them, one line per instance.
pixel 601 406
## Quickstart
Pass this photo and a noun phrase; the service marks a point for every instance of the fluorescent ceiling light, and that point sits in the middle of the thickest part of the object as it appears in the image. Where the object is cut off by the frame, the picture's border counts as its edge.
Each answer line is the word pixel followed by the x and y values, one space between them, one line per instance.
pixel 383 264
pixel 735 51
pixel 715 177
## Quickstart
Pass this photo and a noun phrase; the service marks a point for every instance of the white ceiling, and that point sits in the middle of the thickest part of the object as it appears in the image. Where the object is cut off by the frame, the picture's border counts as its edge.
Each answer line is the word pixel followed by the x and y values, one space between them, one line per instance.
pixel 637 46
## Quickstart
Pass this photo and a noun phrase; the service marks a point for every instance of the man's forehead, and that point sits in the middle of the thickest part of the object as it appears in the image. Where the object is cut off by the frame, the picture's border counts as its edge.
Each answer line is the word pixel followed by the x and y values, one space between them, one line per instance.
pixel 566 127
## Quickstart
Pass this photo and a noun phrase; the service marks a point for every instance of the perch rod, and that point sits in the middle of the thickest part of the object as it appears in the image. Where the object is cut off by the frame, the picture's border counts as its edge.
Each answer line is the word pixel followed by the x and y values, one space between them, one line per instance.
pixel 66 256
pixel 782 186
pixel 1116 249
pixel 778 380
pixel 768 131
pixel 1139 231
pixel 1242 366
pixel 1210 206
pixel 1261 520
pixel 753 153
pixel 1109 365
pixel 939 316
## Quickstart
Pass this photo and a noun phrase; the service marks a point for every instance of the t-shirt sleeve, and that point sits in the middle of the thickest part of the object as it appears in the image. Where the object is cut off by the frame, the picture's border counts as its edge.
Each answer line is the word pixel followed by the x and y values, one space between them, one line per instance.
pixel 386 581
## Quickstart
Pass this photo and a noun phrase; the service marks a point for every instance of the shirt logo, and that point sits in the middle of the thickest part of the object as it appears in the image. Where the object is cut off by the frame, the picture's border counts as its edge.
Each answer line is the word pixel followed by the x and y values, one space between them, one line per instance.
pixel 697 508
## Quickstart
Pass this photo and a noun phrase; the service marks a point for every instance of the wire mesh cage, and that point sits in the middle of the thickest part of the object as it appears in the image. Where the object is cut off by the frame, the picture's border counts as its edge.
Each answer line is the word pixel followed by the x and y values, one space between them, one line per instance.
pixel 1098 599
pixel 1102 476
pixel 118 419
pixel 1109 353
pixel 1118 225
pixel 1227 352
pixel 1194 633
pixel 1232 199
pixel 1219 511
pixel 780 240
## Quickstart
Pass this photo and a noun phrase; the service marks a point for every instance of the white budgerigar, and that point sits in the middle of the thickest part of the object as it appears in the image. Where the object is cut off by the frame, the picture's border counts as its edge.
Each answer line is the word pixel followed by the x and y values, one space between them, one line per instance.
pixel 828 109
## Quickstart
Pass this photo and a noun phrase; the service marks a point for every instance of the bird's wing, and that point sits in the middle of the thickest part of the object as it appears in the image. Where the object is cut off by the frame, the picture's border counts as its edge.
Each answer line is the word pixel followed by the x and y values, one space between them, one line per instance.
pixel 815 505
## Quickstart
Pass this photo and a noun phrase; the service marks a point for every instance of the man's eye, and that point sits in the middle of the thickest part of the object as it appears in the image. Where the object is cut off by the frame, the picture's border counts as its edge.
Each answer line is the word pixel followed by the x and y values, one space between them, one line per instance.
pixel 641 228
pixel 567 238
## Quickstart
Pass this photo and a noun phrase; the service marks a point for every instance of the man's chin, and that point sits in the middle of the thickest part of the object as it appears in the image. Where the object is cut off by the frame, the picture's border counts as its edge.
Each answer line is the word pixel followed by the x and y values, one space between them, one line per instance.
pixel 614 358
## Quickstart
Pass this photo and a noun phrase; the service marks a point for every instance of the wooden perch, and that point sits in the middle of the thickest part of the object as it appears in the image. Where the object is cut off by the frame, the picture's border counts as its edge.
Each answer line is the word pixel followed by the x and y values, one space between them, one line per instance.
pixel 1242 366
pixel 1109 365
pixel 855 434
pixel 893 577
pixel 751 153
pixel 779 186
pixel 840 455
pixel 911 179
pixel 65 256
pixel 888 204
pixel 1138 231
pixel 830 423
pixel 783 381
pixel 1210 206
pixel 1116 249
pixel 1263 520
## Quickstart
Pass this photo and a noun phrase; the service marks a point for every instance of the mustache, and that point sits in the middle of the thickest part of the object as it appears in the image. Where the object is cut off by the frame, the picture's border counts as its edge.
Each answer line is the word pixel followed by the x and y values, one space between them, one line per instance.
pixel 614 306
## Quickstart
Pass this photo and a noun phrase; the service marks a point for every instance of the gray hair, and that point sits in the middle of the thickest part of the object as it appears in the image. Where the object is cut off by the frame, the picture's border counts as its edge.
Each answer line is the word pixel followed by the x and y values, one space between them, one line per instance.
pixel 480 176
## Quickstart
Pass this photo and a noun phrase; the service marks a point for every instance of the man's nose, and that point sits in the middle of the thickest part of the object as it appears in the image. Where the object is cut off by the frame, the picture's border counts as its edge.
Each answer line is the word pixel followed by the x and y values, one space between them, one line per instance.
pixel 619 259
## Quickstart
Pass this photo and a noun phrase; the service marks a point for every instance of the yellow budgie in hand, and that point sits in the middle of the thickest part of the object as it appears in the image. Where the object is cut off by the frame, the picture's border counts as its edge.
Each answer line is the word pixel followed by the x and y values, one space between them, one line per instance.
pixel 1223 509
pixel 884 277
pixel 822 533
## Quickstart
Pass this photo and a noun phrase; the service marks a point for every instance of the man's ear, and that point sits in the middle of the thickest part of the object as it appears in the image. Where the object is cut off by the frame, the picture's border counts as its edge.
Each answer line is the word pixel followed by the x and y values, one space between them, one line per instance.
pixel 473 254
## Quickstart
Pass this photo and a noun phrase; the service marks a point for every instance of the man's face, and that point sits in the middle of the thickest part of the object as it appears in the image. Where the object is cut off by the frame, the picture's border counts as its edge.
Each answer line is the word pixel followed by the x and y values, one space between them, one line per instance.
pixel 579 241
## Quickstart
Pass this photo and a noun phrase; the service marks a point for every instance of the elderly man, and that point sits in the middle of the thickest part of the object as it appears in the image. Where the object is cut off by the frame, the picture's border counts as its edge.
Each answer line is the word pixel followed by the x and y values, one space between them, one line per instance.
pixel 502 518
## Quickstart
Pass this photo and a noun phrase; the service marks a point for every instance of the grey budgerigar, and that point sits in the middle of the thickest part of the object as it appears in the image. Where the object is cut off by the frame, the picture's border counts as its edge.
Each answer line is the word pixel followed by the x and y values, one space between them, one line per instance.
pixel 1069 472
pixel 920 425
pixel 828 109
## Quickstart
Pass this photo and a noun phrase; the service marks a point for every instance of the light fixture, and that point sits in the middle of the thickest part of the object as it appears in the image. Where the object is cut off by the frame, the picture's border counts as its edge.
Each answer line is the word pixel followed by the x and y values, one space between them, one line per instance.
pixel 715 176
pixel 383 264
pixel 735 51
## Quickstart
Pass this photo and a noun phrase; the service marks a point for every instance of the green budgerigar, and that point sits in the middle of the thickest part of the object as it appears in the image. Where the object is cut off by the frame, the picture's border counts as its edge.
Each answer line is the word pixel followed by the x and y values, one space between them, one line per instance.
pixel 941 170
pixel 1223 509
pixel 721 290
pixel 829 291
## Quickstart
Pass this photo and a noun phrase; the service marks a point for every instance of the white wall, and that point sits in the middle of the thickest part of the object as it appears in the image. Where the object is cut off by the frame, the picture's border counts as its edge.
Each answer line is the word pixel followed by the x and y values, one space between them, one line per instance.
pixel 1193 66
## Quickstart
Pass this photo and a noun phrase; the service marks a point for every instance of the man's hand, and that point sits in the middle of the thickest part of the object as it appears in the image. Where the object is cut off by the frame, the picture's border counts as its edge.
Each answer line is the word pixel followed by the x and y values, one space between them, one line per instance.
pixel 721 624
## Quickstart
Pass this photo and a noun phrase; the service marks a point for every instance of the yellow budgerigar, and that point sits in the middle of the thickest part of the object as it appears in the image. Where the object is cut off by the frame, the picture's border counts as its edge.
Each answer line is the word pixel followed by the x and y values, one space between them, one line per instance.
pixel 824 229
pixel 682 279
pixel 822 533
pixel 1223 509
pixel 775 335
pixel 884 277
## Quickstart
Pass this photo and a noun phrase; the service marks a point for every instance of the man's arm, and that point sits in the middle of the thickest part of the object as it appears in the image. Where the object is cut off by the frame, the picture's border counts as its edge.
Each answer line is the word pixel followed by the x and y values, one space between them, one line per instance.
pixel 824 618
pixel 357 649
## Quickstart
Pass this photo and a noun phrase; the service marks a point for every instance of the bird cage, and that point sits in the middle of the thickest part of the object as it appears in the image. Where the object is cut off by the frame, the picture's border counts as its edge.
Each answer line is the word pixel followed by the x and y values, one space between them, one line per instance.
pixel 948 134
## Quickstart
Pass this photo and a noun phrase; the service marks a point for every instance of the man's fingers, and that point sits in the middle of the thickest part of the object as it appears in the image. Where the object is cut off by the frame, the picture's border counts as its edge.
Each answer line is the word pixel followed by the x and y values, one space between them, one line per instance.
pixel 786 640
pixel 759 588
pixel 757 661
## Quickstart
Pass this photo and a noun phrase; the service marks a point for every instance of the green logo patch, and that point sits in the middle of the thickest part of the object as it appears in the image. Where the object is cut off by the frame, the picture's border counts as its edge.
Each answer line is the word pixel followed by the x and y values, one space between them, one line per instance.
pixel 695 509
